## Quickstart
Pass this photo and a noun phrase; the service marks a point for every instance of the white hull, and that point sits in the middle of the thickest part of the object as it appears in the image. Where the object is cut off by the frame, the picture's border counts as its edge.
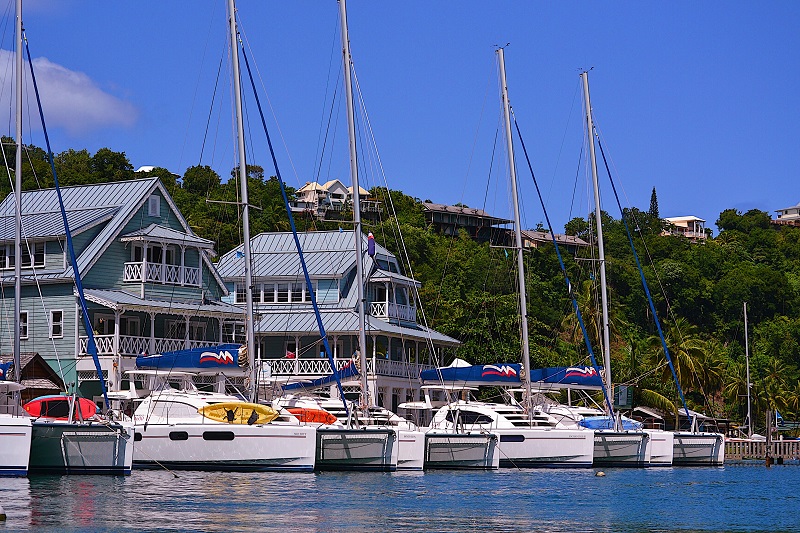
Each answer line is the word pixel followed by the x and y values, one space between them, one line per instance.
pixel 368 448
pixel 621 448
pixel 661 447
pixel 695 449
pixel 545 447
pixel 225 447
pixel 461 450
pixel 61 447
pixel 15 445
pixel 410 450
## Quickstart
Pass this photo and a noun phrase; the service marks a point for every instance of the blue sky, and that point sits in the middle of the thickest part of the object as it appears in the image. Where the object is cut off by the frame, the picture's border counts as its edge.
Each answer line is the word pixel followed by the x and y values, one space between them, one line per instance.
pixel 698 99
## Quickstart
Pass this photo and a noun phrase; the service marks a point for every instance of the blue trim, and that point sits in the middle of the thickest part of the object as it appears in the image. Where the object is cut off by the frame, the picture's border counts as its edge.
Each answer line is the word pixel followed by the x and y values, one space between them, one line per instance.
pixel 13 471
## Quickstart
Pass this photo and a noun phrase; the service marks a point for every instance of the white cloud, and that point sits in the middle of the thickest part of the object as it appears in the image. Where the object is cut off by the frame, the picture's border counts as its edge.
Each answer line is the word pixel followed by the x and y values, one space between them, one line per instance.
pixel 71 100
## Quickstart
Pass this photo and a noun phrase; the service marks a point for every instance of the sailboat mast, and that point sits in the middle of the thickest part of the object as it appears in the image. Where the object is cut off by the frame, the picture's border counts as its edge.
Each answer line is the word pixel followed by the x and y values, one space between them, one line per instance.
pixel 18 200
pixel 747 366
pixel 351 135
pixel 248 274
pixel 600 246
pixel 523 303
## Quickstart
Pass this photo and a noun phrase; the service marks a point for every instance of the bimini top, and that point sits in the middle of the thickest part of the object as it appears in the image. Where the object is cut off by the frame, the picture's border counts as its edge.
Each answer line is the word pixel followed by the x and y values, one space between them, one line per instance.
pixel 221 357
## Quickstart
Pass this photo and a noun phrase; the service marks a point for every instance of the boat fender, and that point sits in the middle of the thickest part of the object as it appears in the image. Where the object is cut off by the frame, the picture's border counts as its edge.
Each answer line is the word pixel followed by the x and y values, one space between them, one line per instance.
pixel 2 514
pixel 600 474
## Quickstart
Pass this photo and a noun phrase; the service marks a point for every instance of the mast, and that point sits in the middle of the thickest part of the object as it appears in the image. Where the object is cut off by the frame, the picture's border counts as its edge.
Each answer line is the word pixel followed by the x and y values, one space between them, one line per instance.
pixel 600 246
pixel 523 304
pixel 18 201
pixel 351 135
pixel 248 274
pixel 747 365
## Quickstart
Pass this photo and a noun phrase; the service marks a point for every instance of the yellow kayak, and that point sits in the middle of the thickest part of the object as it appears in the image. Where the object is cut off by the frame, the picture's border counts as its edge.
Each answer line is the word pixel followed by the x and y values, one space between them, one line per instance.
pixel 239 413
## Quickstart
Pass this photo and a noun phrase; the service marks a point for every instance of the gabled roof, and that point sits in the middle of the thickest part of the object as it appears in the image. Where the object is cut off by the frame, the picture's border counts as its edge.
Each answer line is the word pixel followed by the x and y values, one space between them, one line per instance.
pixel 787 208
pixel 543 236
pixel 383 275
pixel 124 198
pixel 154 232
pixel 311 186
pixel 121 300
pixel 361 191
pixel 330 183
pixel 689 218
pixel 327 254
pixel 458 210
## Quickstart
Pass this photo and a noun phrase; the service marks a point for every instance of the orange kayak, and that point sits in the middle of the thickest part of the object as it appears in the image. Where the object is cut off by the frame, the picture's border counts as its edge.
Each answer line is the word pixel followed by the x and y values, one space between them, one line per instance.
pixel 57 406
pixel 318 416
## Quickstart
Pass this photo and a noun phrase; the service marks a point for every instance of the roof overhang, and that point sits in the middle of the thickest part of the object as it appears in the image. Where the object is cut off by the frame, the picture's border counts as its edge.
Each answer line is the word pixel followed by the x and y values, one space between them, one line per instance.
pixel 122 301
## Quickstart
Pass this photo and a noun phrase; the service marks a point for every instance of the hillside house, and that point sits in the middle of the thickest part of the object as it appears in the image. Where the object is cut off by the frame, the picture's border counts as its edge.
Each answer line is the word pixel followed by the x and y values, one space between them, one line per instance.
pixel 329 200
pixel 691 227
pixel 477 223
pixel 287 335
pixel 787 216
pixel 149 283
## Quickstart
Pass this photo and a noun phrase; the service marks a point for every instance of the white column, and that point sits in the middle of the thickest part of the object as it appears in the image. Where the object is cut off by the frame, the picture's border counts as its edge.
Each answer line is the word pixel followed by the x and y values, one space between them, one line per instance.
pixel 77 328
pixel 183 264
pixel 115 380
pixel 144 266
pixel 335 350
pixel 163 263
pixel 186 335
pixel 152 348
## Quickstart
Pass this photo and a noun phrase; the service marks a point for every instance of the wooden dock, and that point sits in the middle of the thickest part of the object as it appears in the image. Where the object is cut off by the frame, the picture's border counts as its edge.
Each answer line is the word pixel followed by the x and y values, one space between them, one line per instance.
pixel 748 450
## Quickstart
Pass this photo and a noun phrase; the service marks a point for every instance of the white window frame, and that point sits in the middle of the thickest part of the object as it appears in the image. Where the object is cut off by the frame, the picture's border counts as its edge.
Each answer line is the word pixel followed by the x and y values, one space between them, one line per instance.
pixel 154 206
pixel 53 323
pixel 23 325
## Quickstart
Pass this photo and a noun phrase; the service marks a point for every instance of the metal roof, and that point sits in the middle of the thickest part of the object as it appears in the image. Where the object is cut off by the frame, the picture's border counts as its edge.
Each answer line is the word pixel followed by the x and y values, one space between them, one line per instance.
pixel 459 210
pixel 543 236
pixel 125 300
pixel 49 225
pixel 383 275
pixel 164 234
pixel 343 322
pixel 327 254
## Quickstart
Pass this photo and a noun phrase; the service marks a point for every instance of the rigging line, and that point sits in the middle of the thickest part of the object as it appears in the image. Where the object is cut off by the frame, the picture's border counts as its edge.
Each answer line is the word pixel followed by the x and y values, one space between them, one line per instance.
pixel 194 96
pixel 243 39
pixel 211 112
pixel 334 369
pixel 327 132
pixel 405 257
pixel 91 346
pixel 320 150
pixel 564 270
pixel 644 283
pixel 563 140
pixel 575 185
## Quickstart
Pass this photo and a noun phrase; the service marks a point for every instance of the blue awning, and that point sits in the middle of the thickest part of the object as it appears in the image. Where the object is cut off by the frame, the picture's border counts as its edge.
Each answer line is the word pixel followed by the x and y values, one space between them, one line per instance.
pixel 502 374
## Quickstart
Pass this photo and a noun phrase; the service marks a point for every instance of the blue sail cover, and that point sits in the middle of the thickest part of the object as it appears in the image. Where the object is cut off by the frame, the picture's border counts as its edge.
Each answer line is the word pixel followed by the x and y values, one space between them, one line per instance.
pixel 504 374
pixel 4 368
pixel 572 376
pixel 224 356
pixel 347 371
pixel 606 422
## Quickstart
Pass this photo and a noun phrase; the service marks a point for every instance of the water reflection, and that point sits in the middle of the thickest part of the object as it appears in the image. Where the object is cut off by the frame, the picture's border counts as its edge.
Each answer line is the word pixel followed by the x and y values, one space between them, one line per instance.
pixel 710 499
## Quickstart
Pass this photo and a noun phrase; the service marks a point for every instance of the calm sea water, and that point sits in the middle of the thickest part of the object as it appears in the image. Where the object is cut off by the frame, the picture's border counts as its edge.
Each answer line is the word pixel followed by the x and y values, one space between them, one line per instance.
pixel 733 498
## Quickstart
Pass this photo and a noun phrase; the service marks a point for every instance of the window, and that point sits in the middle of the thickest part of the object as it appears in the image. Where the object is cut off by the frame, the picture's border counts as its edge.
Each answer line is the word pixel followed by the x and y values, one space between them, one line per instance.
pixel 233 332
pixel 240 293
pixel 136 253
pixel 327 290
pixel 154 252
pixel 56 324
pixel 468 417
pixel 23 325
pixel 283 292
pixel 154 206
pixel 297 292
pixel 269 293
pixel 32 255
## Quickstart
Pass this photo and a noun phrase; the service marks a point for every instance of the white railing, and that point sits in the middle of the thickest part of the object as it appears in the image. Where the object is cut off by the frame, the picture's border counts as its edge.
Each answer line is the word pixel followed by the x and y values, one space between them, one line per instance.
pixel 132 346
pixel 321 367
pixel 406 313
pixel 158 273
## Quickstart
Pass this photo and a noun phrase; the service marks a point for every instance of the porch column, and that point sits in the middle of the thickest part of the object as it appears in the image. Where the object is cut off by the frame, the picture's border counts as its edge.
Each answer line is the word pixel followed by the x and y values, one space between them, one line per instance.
pixel 163 263
pixel 144 266
pixel 116 382
pixel 220 322
pixel 152 346
pixel 77 329
pixel 200 254
pixel 186 334
pixel 335 352
pixel 183 265
pixel 386 286
pixel 374 352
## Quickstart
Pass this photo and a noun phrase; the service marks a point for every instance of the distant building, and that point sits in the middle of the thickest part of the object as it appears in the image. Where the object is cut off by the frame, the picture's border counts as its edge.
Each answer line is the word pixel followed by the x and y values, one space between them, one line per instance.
pixel 788 216
pixel 328 200
pixel 690 227
pixel 477 223
pixel 535 239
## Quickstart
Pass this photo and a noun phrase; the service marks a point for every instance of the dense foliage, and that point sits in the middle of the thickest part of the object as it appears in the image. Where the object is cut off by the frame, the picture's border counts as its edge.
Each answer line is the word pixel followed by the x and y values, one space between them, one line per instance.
pixel 469 288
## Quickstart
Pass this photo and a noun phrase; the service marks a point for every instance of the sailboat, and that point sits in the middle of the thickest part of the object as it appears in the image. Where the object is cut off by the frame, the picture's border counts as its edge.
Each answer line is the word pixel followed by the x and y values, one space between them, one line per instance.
pixel 15 425
pixel 528 437
pixel 179 427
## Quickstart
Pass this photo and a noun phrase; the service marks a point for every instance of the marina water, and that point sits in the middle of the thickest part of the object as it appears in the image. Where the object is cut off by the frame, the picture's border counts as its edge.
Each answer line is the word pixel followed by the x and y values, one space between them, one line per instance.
pixel 730 498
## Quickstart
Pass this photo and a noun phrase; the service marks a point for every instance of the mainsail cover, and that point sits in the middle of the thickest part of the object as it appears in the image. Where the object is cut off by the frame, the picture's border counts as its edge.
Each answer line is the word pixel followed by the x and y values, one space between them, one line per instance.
pixel 221 357
pixel 502 374
pixel 568 377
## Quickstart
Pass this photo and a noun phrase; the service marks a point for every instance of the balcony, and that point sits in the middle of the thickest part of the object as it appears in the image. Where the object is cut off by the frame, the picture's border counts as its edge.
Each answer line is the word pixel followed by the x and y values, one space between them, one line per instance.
pixel 389 310
pixel 314 368
pixel 133 346
pixel 160 273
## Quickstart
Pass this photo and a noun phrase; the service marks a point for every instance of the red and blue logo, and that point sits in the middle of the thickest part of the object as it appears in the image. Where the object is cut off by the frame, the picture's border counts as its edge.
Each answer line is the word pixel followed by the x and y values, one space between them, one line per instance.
pixel 585 372
pixel 498 370
pixel 222 358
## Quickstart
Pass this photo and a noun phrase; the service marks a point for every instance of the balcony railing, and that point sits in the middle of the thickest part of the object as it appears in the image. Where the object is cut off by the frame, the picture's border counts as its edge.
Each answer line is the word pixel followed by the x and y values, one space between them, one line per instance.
pixel 407 313
pixel 321 367
pixel 132 346
pixel 160 273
